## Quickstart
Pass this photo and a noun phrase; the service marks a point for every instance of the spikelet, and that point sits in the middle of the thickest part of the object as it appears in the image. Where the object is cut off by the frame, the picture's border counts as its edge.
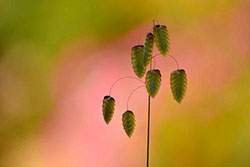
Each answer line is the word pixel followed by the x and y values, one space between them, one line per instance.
pixel 153 82
pixel 128 121
pixel 161 39
pixel 108 107
pixel 178 82
pixel 137 60
pixel 148 48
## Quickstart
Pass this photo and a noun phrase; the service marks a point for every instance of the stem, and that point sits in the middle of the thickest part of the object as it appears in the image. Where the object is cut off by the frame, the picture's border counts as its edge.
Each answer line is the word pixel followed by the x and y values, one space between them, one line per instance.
pixel 158 54
pixel 148 131
pixel 154 63
pixel 154 59
pixel 176 62
pixel 155 21
pixel 132 94
pixel 122 79
pixel 148 135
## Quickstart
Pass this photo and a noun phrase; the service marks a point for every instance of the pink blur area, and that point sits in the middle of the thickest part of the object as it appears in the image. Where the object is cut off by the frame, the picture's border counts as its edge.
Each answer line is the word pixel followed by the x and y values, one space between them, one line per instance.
pixel 74 134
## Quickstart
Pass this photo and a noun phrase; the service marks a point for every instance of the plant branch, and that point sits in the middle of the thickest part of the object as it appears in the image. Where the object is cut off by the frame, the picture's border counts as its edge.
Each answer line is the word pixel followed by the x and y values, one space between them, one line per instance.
pixel 148 131
pixel 176 62
pixel 148 134
pixel 133 93
pixel 127 77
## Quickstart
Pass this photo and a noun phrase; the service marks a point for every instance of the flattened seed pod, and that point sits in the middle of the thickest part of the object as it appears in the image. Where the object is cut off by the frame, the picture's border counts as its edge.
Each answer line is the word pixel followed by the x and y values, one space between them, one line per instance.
pixel 153 82
pixel 161 39
pixel 137 60
pixel 108 107
pixel 148 48
pixel 128 121
pixel 178 82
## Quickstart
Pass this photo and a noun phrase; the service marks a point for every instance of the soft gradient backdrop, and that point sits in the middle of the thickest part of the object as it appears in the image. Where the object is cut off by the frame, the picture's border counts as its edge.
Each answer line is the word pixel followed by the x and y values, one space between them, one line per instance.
pixel 59 58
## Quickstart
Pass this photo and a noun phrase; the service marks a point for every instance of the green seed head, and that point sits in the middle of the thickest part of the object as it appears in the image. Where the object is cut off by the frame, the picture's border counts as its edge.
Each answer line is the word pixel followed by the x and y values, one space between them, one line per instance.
pixel 153 82
pixel 178 83
pixel 108 107
pixel 128 121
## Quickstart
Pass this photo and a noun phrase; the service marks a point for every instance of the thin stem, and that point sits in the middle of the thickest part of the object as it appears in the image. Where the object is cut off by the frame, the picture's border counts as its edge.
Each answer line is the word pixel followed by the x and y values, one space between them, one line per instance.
pixel 154 63
pixel 158 54
pixel 154 60
pixel 155 21
pixel 140 37
pixel 148 131
pixel 122 79
pixel 133 93
pixel 176 62
pixel 148 135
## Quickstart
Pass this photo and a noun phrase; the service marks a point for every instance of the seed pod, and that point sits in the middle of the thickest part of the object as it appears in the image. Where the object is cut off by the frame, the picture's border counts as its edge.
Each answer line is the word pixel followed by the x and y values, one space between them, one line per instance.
pixel 178 82
pixel 161 39
pixel 128 121
pixel 148 48
pixel 137 60
pixel 108 107
pixel 153 82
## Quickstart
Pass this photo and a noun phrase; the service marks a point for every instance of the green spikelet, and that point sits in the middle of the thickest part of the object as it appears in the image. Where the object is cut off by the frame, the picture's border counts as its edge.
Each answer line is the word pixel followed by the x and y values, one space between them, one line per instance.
pixel 128 121
pixel 161 39
pixel 178 82
pixel 108 107
pixel 148 48
pixel 153 82
pixel 137 60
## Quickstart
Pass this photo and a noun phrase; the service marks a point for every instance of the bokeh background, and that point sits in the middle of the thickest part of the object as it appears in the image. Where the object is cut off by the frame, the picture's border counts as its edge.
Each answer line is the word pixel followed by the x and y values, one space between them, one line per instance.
pixel 59 58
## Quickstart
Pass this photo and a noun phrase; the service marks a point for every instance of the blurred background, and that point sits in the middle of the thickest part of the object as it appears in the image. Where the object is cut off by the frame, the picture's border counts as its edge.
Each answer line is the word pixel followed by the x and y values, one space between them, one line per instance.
pixel 58 60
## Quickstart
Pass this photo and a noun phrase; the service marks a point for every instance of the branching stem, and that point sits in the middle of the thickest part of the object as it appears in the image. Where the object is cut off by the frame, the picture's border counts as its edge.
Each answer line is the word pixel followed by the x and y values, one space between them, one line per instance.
pixel 127 77
pixel 133 93
pixel 176 62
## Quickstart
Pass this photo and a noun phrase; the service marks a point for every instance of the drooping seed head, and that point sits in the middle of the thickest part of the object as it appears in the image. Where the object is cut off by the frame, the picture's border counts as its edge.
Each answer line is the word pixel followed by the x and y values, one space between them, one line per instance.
pixel 148 48
pixel 128 122
pixel 161 39
pixel 178 83
pixel 138 61
pixel 108 107
pixel 153 82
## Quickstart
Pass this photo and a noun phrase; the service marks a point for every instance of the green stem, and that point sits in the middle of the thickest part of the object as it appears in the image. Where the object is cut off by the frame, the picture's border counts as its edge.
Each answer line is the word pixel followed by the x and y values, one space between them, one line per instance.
pixel 148 131
pixel 148 123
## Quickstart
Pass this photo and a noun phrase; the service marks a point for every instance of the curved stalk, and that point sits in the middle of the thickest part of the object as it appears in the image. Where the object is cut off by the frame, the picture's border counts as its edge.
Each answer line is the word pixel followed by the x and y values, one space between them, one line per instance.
pixel 127 77
pixel 133 93
pixel 176 62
